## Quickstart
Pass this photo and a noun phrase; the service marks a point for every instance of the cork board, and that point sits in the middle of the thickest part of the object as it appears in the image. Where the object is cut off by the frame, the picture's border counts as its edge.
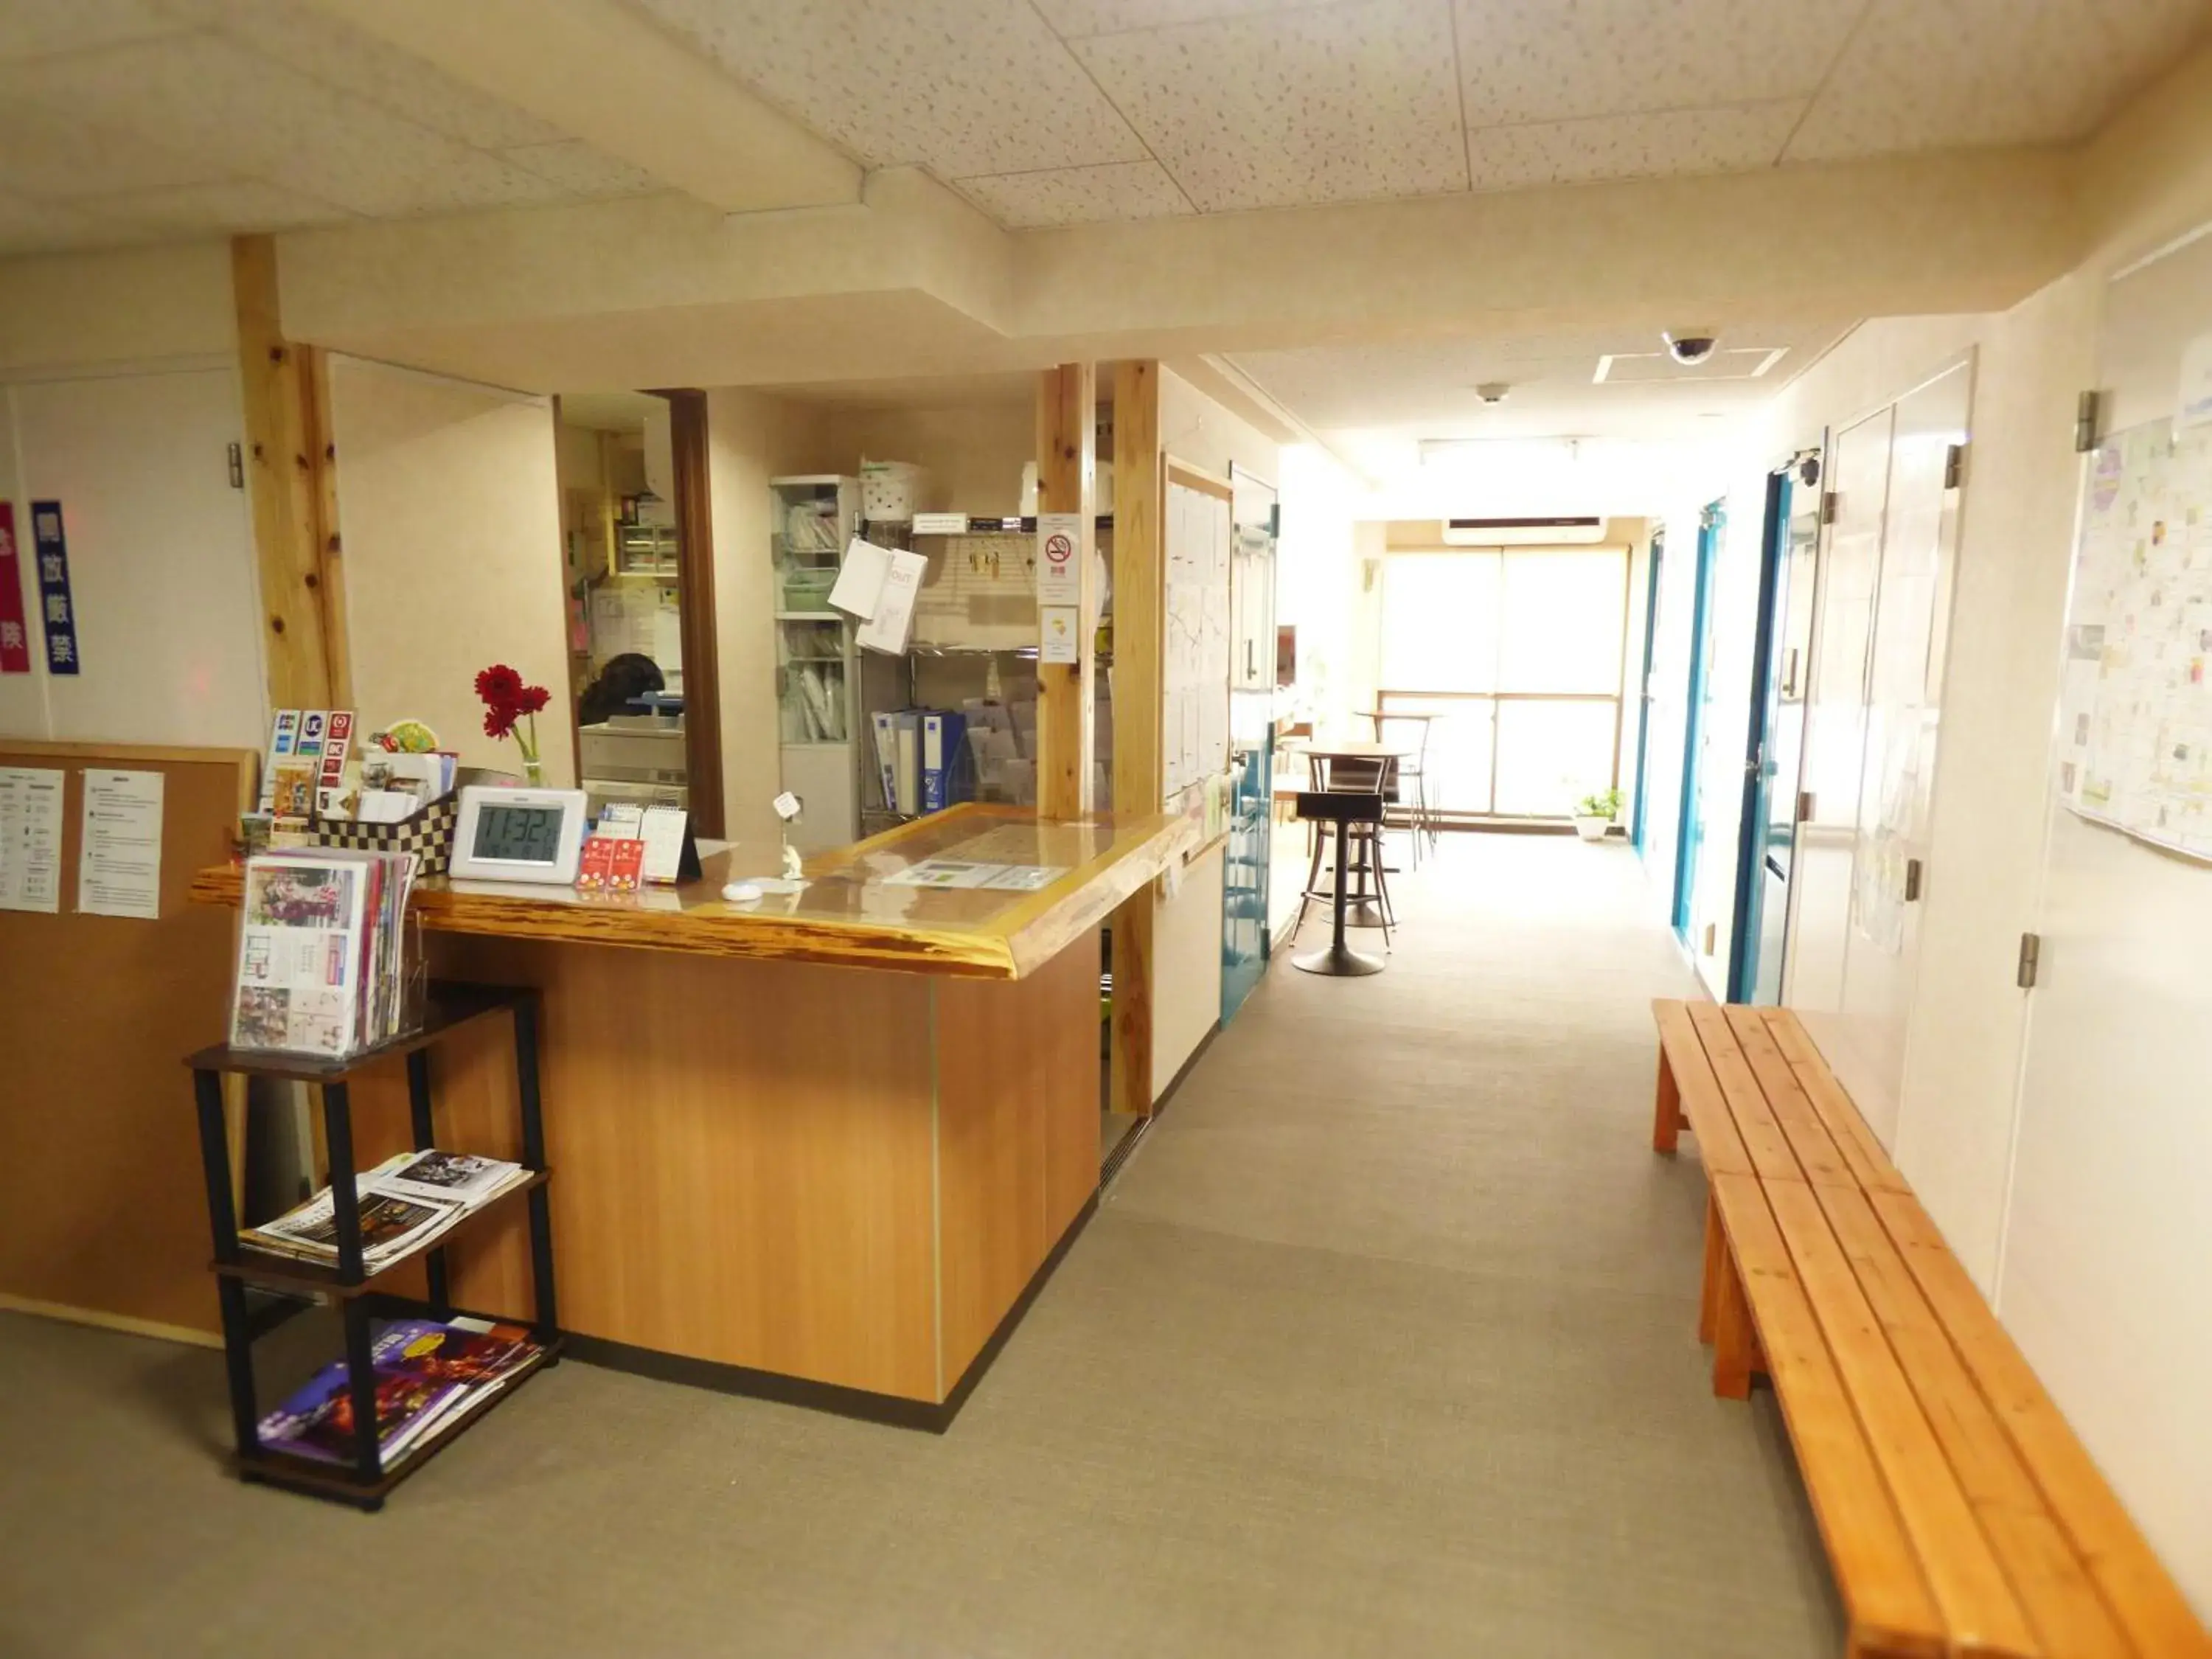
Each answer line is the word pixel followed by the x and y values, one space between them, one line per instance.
pixel 107 1211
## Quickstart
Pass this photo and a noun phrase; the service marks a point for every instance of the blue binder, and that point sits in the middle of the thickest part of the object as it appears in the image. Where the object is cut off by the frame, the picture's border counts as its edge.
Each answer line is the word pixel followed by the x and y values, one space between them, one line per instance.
pixel 943 736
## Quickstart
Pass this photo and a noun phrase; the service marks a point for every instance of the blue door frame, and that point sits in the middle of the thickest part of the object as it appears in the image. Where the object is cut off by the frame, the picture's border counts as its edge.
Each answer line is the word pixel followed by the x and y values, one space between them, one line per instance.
pixel 1635 822
pixel 1691 826
pixel 1756 832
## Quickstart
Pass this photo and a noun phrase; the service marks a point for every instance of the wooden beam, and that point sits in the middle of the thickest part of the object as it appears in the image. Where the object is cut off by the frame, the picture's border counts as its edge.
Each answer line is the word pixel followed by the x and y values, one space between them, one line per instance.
pixel 1136 685
pixel 281 462
pixel 320 513
pixel 1066 445
pixel 695 554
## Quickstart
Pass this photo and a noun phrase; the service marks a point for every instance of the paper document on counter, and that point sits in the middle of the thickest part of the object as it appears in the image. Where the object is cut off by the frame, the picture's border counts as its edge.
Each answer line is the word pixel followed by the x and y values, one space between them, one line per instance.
pixel 119 870
pixel 30 838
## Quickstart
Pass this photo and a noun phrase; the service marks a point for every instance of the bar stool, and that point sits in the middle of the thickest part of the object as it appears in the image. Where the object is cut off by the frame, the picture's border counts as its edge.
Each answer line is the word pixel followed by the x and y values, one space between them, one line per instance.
pixel 1350 813
pixel 1344 775
pixel 1420 816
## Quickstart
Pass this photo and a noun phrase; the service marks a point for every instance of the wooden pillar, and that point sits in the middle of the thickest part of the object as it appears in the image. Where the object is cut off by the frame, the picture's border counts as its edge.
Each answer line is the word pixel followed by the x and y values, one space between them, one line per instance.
pixel 1139 606
pixel 288 461
pixel 1066 446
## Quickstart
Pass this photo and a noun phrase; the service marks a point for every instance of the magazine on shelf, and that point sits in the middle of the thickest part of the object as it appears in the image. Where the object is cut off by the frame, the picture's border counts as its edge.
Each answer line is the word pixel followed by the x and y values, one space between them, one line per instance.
pixel 427 1372
pixel 405 1202
pixel 321 950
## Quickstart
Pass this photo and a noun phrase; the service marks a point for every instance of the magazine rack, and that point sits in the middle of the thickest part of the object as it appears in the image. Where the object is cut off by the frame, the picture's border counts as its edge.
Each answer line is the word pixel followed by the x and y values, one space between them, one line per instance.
pixel 364 1482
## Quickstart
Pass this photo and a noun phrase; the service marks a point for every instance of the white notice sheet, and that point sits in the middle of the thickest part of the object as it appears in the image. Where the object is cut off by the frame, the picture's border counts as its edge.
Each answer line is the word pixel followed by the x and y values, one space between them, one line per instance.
pixel 118 872
pixel 30 839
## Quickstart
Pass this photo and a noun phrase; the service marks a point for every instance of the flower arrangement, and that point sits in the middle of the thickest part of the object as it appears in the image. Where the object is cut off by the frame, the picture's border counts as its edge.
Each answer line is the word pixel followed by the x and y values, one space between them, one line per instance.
pixel 507 704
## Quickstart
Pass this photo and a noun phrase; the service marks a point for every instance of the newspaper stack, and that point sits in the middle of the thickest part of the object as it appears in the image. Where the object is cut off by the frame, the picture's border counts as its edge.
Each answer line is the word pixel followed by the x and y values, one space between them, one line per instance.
pixel 405 1202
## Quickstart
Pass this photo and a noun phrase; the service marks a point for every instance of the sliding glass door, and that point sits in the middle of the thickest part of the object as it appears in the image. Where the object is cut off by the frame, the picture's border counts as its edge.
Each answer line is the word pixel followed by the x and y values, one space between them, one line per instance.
pixel 1519 652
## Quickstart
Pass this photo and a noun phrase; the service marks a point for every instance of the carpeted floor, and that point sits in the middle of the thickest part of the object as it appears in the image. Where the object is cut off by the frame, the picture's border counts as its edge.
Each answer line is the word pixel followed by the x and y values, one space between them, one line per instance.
pixel 1380 1345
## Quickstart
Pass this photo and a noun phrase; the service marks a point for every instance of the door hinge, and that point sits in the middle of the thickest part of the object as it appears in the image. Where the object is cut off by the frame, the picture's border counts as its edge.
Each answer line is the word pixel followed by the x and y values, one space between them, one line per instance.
pixel 1828 506
pixel 2031 957
pixel 1913 869
pixel 237 467
pixel 1804 806
pixel 1954 466
pixel 2088 416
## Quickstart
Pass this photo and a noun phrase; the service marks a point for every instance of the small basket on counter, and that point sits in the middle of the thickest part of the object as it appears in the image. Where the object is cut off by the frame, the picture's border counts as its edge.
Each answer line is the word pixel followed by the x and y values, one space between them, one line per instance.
pixel 429 835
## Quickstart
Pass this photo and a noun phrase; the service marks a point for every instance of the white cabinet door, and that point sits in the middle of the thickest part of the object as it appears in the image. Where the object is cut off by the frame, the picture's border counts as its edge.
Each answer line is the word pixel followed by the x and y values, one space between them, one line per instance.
pixel 160 557
pixel 1904 679
pixel 1835 726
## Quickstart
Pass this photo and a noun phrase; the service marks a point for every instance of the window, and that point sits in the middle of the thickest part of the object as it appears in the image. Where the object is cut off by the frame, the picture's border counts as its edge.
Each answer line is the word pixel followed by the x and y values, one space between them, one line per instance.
pixel 1521 652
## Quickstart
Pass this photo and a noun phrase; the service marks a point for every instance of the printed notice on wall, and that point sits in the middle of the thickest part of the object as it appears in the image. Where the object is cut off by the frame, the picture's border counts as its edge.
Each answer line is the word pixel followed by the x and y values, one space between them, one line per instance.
pixel 30 839
pixel 118 872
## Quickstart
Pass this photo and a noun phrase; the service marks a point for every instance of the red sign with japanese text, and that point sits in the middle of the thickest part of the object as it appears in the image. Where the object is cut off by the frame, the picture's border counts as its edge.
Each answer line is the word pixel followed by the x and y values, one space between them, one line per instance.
pixel 15 632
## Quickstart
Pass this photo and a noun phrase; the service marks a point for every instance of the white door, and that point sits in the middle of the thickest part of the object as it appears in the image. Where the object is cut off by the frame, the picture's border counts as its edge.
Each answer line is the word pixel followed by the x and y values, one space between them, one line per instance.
pixel 160 558
pixel 1835 726
pixel 2102 1276
pixel 1904 682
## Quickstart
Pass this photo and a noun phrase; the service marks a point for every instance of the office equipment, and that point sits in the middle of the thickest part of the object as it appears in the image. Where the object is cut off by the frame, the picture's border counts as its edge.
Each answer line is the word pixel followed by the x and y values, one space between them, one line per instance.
pixel 519 835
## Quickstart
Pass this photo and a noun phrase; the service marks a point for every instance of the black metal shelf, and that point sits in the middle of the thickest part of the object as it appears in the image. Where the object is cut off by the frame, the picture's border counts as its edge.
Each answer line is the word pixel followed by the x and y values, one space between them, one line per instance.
pixel 364 1481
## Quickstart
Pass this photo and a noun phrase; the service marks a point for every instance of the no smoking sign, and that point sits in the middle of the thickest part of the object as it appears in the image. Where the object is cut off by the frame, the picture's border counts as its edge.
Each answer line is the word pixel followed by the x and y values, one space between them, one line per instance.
pixel 1058 578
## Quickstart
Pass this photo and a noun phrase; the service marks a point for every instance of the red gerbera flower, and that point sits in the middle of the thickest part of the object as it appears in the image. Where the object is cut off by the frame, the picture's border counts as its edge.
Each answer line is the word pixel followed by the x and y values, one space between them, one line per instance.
pixel 500 686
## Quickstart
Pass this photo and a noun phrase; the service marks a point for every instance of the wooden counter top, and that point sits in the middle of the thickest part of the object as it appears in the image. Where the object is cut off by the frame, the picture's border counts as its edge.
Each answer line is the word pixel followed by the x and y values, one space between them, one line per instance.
pixel 863 905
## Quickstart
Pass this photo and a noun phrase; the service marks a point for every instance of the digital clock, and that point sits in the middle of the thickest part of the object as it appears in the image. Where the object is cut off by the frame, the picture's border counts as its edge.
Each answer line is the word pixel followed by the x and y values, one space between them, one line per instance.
pixel 518 835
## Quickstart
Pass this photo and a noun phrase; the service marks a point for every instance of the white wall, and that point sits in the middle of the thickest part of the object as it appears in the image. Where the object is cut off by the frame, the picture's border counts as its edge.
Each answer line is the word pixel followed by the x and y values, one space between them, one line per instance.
pixel 1316 575
pixel 119 397
pixel 449 514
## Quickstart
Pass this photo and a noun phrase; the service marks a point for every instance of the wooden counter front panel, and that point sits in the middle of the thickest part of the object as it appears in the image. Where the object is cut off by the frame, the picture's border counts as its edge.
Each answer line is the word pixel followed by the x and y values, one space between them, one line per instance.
pixel 741 1154
pixel 1017 1105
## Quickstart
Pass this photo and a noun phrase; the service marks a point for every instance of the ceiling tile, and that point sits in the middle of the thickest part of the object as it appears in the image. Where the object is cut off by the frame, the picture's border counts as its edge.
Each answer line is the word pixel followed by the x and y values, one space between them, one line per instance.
pixel 31 28
pixel 208 99
pixel 1074 17
pixel 1334 105
pixel 963 86
pixel 315 44
pixel 1671 143
pixel 1078 195
pixel 582 171
pixel 53 153
pixel 1922 74
pixel 233 206
pixel 1546 60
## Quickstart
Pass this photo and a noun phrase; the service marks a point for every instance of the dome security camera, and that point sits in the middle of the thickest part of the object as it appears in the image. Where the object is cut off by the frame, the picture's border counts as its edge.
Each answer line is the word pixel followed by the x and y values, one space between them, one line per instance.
pixel 1689 346
pixel 1492 392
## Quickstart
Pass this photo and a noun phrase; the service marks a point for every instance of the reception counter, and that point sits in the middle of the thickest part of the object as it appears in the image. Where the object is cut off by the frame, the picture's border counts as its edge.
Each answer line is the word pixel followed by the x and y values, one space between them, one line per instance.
pixel 819 1145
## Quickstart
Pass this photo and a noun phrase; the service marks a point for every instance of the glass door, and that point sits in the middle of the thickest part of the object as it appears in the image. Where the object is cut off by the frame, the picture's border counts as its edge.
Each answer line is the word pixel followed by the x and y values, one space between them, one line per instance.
pixel 1689 841
pixel 1519 653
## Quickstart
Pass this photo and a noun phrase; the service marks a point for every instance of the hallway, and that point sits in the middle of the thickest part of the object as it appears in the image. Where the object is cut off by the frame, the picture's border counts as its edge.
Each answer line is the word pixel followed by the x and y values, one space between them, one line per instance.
pixel 1381 1344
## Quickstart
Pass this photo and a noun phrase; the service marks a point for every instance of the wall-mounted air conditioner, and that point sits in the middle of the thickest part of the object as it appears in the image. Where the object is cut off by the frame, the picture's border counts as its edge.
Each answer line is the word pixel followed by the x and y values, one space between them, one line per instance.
pixel 1522 532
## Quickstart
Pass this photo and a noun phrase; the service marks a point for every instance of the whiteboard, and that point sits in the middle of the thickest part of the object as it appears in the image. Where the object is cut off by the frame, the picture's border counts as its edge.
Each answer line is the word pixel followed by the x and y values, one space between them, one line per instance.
pixel 1196 640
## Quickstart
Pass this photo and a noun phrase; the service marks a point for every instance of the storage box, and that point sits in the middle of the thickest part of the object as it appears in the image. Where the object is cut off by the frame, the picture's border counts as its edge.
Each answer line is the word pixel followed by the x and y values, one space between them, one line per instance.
pixel 429 835
pixel 805 588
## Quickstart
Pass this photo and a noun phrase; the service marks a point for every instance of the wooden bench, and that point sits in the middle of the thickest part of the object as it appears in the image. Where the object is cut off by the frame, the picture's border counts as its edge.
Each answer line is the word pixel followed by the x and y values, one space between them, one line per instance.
pixel 1960 1514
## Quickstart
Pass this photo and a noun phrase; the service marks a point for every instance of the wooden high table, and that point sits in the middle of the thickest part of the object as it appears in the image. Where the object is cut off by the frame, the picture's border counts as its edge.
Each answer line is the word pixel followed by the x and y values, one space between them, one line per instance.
pixel 822 1147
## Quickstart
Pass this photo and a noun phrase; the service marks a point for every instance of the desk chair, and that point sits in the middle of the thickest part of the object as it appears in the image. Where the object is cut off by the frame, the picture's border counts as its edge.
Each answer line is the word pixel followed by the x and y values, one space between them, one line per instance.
pixel 1345 776
pixel 1421 822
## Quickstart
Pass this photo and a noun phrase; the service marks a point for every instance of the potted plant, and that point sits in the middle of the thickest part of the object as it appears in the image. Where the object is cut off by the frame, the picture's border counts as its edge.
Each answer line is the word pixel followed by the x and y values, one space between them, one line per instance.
pixel 509 704
pixel 1594 813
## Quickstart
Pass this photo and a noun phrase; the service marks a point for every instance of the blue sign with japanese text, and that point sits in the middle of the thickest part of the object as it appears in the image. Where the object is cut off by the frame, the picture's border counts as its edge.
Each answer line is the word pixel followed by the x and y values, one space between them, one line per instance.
pixel 50 546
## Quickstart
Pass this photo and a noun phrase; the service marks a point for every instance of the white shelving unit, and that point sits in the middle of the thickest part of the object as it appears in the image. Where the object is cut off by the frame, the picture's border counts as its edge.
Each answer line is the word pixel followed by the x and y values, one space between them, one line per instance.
pixel 812 518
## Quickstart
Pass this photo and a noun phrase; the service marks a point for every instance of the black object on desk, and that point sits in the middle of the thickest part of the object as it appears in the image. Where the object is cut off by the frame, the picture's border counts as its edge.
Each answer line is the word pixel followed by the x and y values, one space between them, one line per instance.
pixel 1343 810
pixel 364 1482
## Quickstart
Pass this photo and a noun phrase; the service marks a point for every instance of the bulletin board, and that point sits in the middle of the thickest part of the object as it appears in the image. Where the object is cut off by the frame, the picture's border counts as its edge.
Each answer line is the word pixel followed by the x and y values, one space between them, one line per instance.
pixel 2136 717
pixel 107 1205
pixel 1196 643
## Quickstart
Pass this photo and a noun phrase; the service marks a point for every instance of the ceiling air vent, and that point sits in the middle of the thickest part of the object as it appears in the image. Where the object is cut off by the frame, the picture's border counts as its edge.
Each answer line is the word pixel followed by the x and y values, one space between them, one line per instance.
pixel 1522 532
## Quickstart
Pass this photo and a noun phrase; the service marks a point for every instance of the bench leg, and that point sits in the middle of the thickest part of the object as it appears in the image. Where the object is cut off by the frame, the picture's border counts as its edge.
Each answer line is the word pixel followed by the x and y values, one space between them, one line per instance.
pixel 1717 1268
pixel 1735 1340
pixel 1667 1115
